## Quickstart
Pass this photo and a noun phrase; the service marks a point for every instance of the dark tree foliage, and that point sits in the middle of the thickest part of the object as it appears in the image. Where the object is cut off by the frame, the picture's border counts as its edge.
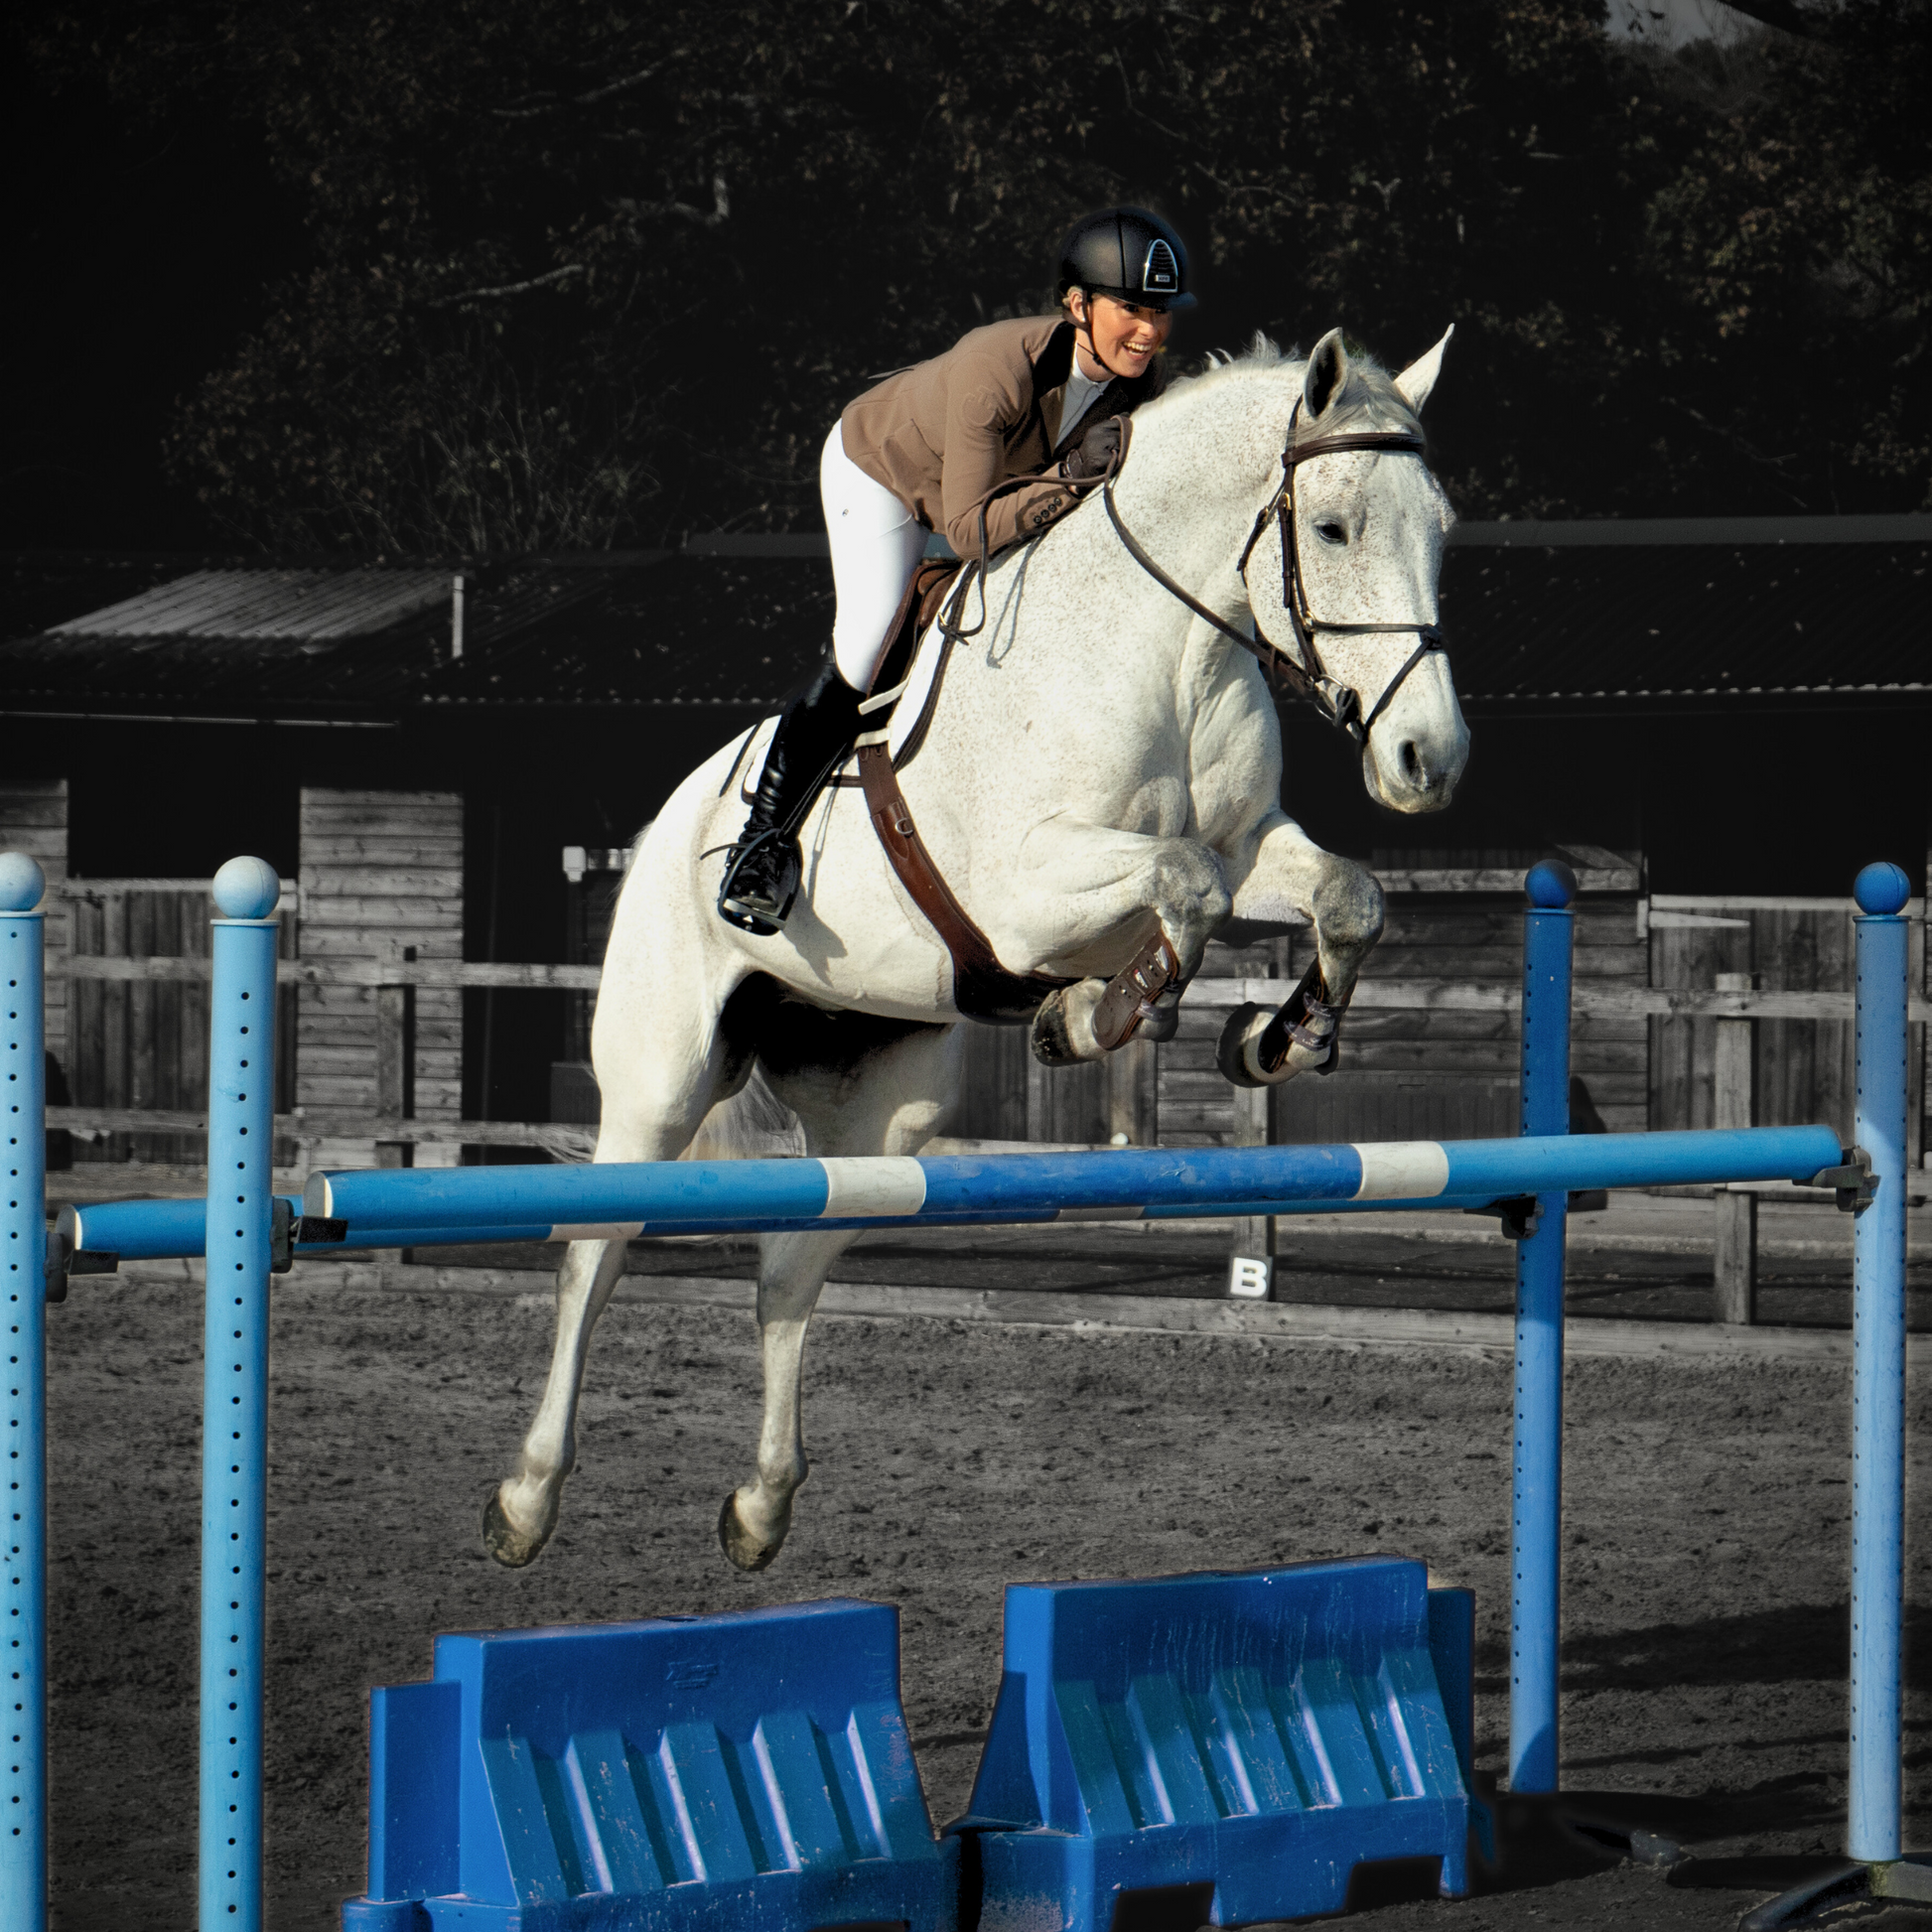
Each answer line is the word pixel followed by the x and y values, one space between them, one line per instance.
pixel 581 275
pixel 1795 240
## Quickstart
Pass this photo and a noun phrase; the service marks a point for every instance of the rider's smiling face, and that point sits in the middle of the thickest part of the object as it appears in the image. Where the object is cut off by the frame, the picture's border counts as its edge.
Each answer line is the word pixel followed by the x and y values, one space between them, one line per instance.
pixel 1116 338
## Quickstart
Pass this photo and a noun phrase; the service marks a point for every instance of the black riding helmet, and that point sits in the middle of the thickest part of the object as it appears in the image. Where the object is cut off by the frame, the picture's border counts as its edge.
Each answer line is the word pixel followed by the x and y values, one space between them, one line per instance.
pixel 1129 253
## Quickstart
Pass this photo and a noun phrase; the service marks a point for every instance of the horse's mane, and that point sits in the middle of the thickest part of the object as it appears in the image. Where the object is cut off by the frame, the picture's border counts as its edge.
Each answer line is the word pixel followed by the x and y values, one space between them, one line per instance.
pixel 1369 399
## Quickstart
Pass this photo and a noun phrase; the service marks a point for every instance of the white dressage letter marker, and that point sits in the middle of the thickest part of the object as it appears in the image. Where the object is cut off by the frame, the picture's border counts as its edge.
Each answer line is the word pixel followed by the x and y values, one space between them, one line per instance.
pixel 1248 1278
pixel 1402 1169
pixel 875 1183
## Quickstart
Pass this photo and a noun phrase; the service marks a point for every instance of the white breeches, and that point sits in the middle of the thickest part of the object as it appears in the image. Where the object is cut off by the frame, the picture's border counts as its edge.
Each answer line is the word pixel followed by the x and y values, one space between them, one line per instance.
pixel 877 544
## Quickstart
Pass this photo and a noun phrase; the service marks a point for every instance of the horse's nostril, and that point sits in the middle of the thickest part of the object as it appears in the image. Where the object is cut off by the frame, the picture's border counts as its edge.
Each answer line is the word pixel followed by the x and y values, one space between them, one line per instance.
pixel 1412 766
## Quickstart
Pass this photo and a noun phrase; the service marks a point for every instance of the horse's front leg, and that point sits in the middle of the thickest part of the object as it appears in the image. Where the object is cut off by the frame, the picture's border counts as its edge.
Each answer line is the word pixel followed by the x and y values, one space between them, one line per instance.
pixel 1290 876
pixel 1122 904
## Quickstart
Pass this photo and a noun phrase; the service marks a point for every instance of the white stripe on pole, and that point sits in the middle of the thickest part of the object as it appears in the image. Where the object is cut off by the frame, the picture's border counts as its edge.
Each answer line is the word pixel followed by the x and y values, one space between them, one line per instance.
pixel 873 1184
pixel 1402 1169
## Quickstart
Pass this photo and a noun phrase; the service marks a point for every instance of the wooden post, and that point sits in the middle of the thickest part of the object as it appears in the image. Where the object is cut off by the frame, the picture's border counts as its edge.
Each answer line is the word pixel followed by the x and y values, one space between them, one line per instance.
pixel 1251 1253
pixel 1734 1261
pixel 1132 1088
pixel 392 1070
pixel 381 884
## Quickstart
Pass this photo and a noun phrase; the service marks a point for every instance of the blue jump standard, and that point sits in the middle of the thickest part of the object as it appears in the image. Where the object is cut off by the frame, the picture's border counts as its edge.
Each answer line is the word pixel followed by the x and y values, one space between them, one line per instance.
pixel 1252 1734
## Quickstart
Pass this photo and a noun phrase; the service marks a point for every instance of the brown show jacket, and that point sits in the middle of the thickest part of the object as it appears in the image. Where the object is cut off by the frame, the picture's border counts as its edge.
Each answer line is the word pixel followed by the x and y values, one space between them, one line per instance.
pixel 942 433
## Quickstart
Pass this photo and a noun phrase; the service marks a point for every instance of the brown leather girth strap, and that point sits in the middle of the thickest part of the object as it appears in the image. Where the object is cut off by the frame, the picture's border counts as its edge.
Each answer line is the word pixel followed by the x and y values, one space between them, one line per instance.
pixel 982 989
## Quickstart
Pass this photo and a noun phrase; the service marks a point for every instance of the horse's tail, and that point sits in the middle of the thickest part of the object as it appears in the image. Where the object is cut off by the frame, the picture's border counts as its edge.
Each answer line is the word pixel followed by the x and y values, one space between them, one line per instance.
pixel 752 1124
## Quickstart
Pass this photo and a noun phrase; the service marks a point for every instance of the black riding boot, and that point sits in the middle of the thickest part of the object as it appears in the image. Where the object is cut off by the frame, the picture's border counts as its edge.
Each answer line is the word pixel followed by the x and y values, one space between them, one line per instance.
pixel 761 871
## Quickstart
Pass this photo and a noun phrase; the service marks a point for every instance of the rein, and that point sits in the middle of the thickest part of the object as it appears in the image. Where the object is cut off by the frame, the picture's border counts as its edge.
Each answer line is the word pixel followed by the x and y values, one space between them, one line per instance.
pixel 1302 669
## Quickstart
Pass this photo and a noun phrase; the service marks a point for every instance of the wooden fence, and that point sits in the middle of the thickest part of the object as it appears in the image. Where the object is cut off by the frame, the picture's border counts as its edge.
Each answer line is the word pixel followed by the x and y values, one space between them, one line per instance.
pixel 1597 1007
pixel 137 1008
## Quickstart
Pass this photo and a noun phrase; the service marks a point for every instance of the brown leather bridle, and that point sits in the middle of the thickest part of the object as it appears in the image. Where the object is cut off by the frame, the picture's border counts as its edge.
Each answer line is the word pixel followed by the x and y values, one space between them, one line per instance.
pixel 1302 670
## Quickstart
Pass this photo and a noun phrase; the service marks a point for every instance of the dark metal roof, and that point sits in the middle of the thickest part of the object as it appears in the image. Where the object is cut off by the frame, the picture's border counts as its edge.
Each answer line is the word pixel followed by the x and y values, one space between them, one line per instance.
pixel 1669 532
pixel 307 605
pixel 1533 625
pixel 1630 626
pixel 661 630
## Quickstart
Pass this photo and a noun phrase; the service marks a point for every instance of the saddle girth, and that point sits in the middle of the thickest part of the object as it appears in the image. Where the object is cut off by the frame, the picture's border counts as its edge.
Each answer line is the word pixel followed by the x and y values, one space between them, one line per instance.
pixel 982 989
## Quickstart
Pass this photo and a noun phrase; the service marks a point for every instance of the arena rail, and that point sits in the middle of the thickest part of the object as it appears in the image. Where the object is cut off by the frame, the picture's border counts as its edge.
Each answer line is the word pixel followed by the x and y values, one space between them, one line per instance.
pixel 1525 1181
pixel 1592 1001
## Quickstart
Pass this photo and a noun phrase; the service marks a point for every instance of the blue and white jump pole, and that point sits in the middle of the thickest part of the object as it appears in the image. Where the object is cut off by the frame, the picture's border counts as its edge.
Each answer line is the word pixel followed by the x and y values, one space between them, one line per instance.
pixel 1536 1476
pixel 23 1244
pixel 617 1200
pixel 234 1401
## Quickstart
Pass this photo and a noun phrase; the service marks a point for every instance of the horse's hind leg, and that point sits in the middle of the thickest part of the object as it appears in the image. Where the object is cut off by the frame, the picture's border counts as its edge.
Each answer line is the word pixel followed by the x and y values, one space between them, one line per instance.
pixel 522 1510
pixel 660 1062
pixel 891 1098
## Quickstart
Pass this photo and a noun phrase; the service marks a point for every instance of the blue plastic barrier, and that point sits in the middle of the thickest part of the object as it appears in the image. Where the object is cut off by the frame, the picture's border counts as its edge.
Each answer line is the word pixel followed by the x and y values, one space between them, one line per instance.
pixel 745 1770
pixel 1262 1732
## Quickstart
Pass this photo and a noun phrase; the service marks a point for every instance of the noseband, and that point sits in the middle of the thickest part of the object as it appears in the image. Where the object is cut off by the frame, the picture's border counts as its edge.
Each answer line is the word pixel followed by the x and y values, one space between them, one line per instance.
pixel 1302 669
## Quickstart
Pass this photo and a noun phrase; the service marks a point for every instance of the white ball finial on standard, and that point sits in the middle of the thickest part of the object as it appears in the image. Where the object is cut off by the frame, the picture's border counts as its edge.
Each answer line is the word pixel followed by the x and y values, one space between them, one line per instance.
pixel 22 883
pixel 247 888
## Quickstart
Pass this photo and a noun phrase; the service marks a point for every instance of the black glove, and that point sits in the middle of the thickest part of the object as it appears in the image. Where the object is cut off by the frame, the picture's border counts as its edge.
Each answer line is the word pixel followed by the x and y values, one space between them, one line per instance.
pixel 1097 451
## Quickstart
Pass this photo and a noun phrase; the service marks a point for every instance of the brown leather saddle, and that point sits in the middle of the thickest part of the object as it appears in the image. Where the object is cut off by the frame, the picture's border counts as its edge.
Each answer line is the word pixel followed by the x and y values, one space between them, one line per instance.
pixel 1143 990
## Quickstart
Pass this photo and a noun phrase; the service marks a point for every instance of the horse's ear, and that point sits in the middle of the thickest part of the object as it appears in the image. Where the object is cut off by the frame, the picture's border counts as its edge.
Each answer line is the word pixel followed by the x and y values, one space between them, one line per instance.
pixel 1327 370
pixel 1419 377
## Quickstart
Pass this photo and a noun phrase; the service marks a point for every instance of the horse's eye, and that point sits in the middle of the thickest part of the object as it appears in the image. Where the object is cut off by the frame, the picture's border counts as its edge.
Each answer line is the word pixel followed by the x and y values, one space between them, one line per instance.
pixel 1332 533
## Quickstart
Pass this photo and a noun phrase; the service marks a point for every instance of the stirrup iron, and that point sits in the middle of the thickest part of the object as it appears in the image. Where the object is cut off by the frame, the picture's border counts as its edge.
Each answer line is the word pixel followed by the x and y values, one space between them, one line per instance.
pixel 760 913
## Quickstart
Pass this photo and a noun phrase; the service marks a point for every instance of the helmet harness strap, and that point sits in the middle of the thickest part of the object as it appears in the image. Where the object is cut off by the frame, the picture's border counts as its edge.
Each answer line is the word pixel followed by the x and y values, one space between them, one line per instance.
pixel 1083 332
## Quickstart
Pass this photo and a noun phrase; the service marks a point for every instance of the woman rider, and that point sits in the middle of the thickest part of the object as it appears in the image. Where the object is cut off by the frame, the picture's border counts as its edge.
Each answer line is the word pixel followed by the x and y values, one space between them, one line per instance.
pixel 1030 397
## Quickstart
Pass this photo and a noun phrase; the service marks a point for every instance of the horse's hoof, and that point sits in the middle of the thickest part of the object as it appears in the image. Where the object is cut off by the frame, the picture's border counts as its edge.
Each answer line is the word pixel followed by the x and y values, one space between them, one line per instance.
pixel 1231 1051
pixel 740 1544
pixel 1161 1023
pixel 508 1545
pixel 1052 1044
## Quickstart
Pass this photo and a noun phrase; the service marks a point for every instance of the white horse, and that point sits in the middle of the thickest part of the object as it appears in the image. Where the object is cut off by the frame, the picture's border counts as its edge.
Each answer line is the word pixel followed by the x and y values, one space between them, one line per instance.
pixel 1103 767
